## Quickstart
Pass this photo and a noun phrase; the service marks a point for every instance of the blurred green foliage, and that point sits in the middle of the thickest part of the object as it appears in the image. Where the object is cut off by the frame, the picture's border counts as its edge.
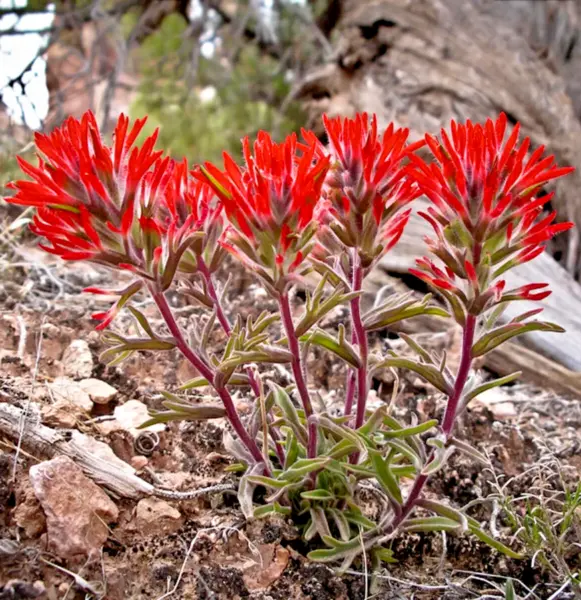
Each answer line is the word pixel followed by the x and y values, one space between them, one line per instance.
pixel 248 85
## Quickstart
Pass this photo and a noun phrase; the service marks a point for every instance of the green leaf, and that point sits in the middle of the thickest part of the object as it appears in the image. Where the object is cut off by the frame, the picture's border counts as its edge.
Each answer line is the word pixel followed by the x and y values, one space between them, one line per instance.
pixel 197 382
pixel 501 334
pixel 268 482
pixel 404 448
pixel 341 523
pixel 490 385
pixel 427 524
pixel 359 519
pixel 469 450
pixel 282 399
pixel 340 348
pixel 429 372
pixel 385 476
pixel 476 530
pixel 400 309
pixel 292 451
pixel 384 555
pixel 303 467
pixel 270 509
pixel 346 433
pixel 409 431
pixel 317 495
pixel 340 551
pixel 246 490
pixel 444 510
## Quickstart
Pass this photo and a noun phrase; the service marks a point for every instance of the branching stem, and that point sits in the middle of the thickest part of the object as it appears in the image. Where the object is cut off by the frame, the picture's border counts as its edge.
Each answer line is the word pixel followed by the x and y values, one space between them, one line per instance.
pixel 448 422
pixel 298 373
pixel 206 371
pixel 361 336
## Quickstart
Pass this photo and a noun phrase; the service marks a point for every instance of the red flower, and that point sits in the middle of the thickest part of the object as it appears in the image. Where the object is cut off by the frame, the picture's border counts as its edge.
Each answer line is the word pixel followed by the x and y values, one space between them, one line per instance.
pixel 85 191
pixel 270 201
pixel 486 213
pixel 123 206
pixel 367 185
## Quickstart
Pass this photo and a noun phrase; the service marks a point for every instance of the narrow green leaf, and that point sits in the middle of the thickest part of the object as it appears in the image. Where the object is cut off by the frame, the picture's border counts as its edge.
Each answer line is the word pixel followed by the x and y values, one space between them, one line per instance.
pixel 446 511
pixel 269 509
pixel 476 530
pixel 268 482
pixel 409 431
pixel 490 385
pixel 317 495
pixel 303 467
pixel 386 477
pixel 343 350
pixel 384 555
pixel 282 399
pixel 427 524
pixel 497 336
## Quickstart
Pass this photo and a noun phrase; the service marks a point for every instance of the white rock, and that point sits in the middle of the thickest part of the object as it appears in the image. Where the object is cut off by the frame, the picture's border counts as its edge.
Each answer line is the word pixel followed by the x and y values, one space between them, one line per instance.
pixel 498 402
pixel 78 360
pixel 132 414
pixel 99 391
pixel 65 389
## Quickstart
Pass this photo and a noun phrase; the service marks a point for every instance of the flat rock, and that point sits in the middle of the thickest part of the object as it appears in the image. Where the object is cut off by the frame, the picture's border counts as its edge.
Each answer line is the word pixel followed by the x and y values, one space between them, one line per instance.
pixel 132 414
pixel 62 414
pixel 67 390
pixel 77 360
pixel 100 392
pixel 77 510
pixel 156 517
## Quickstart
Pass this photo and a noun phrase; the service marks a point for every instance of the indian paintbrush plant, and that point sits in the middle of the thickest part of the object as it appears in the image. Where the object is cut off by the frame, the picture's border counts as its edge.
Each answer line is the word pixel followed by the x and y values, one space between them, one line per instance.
pixel 294 213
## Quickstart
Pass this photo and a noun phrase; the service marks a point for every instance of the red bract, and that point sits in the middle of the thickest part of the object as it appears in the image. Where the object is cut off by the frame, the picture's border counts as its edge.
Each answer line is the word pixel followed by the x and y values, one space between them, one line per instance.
pixel 366 187
pixel 486 211
pixel 85 191
pixel 270 201
pixel 124 206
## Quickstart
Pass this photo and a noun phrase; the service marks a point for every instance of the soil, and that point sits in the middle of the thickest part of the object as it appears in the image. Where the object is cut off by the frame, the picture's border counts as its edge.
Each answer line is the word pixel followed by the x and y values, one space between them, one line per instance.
pixel 213 553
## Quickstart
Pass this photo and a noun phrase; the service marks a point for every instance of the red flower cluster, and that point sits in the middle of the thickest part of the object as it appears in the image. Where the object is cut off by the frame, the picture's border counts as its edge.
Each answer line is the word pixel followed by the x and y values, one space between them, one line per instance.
pixel 271 201
pixel 124 206
pixel 367 185
pixel 486 213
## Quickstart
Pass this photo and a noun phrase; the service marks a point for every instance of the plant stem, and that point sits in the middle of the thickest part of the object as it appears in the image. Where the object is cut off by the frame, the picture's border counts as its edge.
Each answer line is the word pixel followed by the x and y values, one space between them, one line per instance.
pixel 448 422
pixel 220 314
pixel 297 369
pixel 227 328
pixel 461 376
pixel 361 335
pixel 231 412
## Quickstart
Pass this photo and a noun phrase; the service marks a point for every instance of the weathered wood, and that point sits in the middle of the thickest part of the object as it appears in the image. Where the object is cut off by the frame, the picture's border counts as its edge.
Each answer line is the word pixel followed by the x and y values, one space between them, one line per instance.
pixel 95 458
pixel 112 473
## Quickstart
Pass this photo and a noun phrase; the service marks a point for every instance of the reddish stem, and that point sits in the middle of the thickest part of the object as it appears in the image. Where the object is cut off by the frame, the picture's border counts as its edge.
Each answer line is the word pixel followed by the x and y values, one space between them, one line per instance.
pixel 206 371
pixel 461 376
pixel 361 335
pixel 448 422
pixel 222 318
pixel 297 369
pixel 225 324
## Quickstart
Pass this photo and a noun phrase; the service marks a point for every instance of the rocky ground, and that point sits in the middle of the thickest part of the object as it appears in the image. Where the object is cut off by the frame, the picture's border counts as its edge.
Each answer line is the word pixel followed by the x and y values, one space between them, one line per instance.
pixel 65 535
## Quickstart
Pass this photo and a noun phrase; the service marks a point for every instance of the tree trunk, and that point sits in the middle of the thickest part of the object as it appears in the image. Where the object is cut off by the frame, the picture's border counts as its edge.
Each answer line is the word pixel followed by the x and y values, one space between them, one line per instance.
pixel 421 63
